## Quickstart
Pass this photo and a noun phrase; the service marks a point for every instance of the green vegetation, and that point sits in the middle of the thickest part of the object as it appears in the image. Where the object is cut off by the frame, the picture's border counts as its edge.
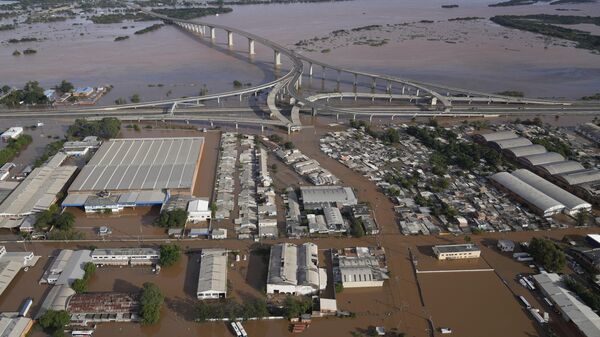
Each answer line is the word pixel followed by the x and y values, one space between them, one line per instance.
pixel 49 151
pixel 547 254
pixel 466 155
pixel 31 94
pixel 7 27
pixel 172 219
pixel 53 218
pixel 29 51
pixel 192 12
pixel 466 18
pixel 80 285
pixel 120 101
pixel 65 86
pixel 554 144
pixel 228 308
pixel 151 299
pixel 121 38
pixel 389 136
pixel 583 218
pixel 542 24
pixel 135 98
pixel 588 296
pixel 595 97
pixel 23 39
pixel 295 306
pixel 450 6
pixel 339 287
pixel 14 147
pixel 356 228
pixel 237 84
pixel 16 53
pixel 54 322
pixel 511 93
pixel 118 18
pixel 149 29
pixel 169 255
pixel 513 3
pixel 105 128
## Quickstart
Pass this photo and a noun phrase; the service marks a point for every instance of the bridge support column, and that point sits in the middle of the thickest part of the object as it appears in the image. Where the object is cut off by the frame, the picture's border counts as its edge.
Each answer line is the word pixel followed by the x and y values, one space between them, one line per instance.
pixel 289 128
pixel 299 82
pixel 337 117
pixel 403 87
pixel 393 117
pixel 229 38
pixel 371 119
pixel 339 74
pixel 434 101
pixel 240 97
pixel 389 86
pixel 251 47
pixel 323 72
pixel 373 98
pixel 310 70
pixel 236 126
pixel 373 83
pixel 218 100
pixel 355 82
pixel 417 92
pixel 203 30
pixel 354 116
pixel 314 111
pixel 277 58
pixel 213 34
pixel 212 125
pixel 262 128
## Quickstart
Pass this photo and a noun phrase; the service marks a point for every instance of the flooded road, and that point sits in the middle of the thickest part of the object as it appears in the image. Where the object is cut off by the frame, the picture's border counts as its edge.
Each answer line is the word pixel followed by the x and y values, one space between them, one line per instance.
pixel 486 57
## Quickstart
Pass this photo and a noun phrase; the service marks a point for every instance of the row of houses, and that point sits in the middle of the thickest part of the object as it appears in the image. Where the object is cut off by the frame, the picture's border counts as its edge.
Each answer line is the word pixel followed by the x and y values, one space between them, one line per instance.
pixel 225 183
pixel 309 168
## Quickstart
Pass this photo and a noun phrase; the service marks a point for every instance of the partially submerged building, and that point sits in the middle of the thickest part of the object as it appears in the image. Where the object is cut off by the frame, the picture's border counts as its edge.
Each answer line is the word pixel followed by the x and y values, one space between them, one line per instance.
pixel 125 256
pixel 294 270
pixel 360 267
pixel 11 263
pixel 318 197
pixel 212 277
pixel 455 252
pixel 89 308
pixel 66 267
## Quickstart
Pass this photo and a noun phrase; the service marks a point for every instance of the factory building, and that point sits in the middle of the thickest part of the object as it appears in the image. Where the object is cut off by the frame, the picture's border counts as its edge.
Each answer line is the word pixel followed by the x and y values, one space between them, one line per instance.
pixel 522 151
pixel 573 204
pixel 36 193
pixel 212 277
pixel 510 143
pixel 456 252
pixel 14 325
pixel 81 148
pixel 570 307
pixel 495 136
pixel 559 167
pixel 318 197
pixel 541 159
pixel 360 267
pixel 198 210
pixel 294 270
pixel 89 308
pixel 590 131
pixel 66 267
pixel 11 263
pixel 12 133
pixel 125 256
pixel 137 172
pixel 538 201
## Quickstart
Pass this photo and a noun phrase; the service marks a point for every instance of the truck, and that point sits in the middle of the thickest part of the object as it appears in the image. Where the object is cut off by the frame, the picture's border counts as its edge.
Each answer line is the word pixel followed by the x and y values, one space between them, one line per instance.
pixel 525 302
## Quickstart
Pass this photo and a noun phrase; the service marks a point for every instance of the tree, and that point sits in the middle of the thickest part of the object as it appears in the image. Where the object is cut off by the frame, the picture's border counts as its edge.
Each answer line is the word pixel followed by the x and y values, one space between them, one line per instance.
pixel 547 254
pixel 65 86
pixel 135 98
pixel 583 218
pixel 172 219
pixel 64 221
pixel 288 145
pixel 151 300
pixel 169 255
pixel 54 320
pixel 79 285
pixel 105 128
pixel 293 307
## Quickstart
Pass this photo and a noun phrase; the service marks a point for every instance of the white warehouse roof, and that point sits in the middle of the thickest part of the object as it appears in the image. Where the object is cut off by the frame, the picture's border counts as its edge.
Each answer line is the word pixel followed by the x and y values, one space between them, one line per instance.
pixel 213 271
pixel 561 167
pixel 526 150
pixel 542 158
pixel 526 192
pixel 510 143
pixel 580 177
pixel 489 137
pixel 571 202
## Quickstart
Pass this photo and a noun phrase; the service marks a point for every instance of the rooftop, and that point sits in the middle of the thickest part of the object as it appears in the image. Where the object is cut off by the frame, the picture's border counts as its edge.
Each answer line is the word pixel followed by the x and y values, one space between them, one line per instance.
pixel 467 247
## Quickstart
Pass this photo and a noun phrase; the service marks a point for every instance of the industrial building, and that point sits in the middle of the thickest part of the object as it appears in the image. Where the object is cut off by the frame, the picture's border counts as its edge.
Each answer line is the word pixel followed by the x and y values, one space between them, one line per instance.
pixel 137 172
pixel 506 245
pixel 81 148
pixel 527 150
pixel 541 159
pixel 538 201
pixel 12 133
pixel 88 308
pixel 11 263
pixel 126 256
pixel 571 308
pixel 590 131
pixel 573 204
pixel 56 300
pixel 510 143
pixel 198 210
pixel 66 267
pixel 212 278
pixel 559 167
pixel 360 267
pixel 37 192
pixel 495 136
pixel 318 197
pixel 13 325
pixel 455 252
pixel 294 270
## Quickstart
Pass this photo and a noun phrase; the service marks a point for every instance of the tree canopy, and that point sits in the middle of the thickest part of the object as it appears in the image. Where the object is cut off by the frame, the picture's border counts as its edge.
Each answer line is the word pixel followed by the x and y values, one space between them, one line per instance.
pixel 548 254
pixel 53 320
pixel 151 300
pixel 169 255
pixel 172 219
pixel 105 128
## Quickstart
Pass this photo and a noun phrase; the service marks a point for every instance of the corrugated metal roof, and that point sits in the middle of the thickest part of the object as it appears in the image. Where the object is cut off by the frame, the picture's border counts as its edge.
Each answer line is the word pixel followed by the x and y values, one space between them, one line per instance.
pixel 488 137
pixel 212 276
pixel 526 192
pixel 570 201
pixel 560 167
pixel 581 177
pixel 510 143
pixel 526 150
pixel 543 158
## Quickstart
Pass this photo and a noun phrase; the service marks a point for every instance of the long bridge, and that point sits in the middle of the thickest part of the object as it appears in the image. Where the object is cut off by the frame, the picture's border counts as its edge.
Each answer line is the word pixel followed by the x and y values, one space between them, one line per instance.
pixel 429 99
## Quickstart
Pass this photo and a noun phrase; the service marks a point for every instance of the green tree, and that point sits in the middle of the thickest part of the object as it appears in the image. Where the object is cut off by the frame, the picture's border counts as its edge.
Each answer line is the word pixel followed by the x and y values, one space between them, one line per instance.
pixel 64 221
pixel 169 255
pixel 79 285
pixel 151 300
pixel 583 218
pixel 294 307
pixel 547 254
pixel 65 86
pixel 54 320
pixel 172 219
pixel 135 98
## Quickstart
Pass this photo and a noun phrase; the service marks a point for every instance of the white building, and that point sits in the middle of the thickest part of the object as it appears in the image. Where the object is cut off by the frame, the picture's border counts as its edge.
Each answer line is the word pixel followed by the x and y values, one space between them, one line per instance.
pixel 455 252
pixel 360 267
pixel 12 133
pixel 125 256
pixel 218 234
pixel 11 263
pixel 198 210
pixel 294 270
pixel 212 278
pixel 66 267
pixel 506 245
pixel 81 148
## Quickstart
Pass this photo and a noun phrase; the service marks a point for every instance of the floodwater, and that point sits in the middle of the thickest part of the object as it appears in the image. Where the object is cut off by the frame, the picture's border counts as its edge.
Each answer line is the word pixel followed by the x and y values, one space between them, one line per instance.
pixel 487 57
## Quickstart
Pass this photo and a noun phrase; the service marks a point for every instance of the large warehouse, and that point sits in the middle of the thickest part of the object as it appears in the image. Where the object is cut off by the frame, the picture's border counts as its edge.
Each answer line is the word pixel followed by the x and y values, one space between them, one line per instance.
pixel 137 172
pixel 294 270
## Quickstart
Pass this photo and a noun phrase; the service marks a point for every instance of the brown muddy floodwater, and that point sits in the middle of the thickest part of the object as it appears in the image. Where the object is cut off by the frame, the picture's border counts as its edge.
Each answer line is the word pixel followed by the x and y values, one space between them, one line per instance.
pixel 477 54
